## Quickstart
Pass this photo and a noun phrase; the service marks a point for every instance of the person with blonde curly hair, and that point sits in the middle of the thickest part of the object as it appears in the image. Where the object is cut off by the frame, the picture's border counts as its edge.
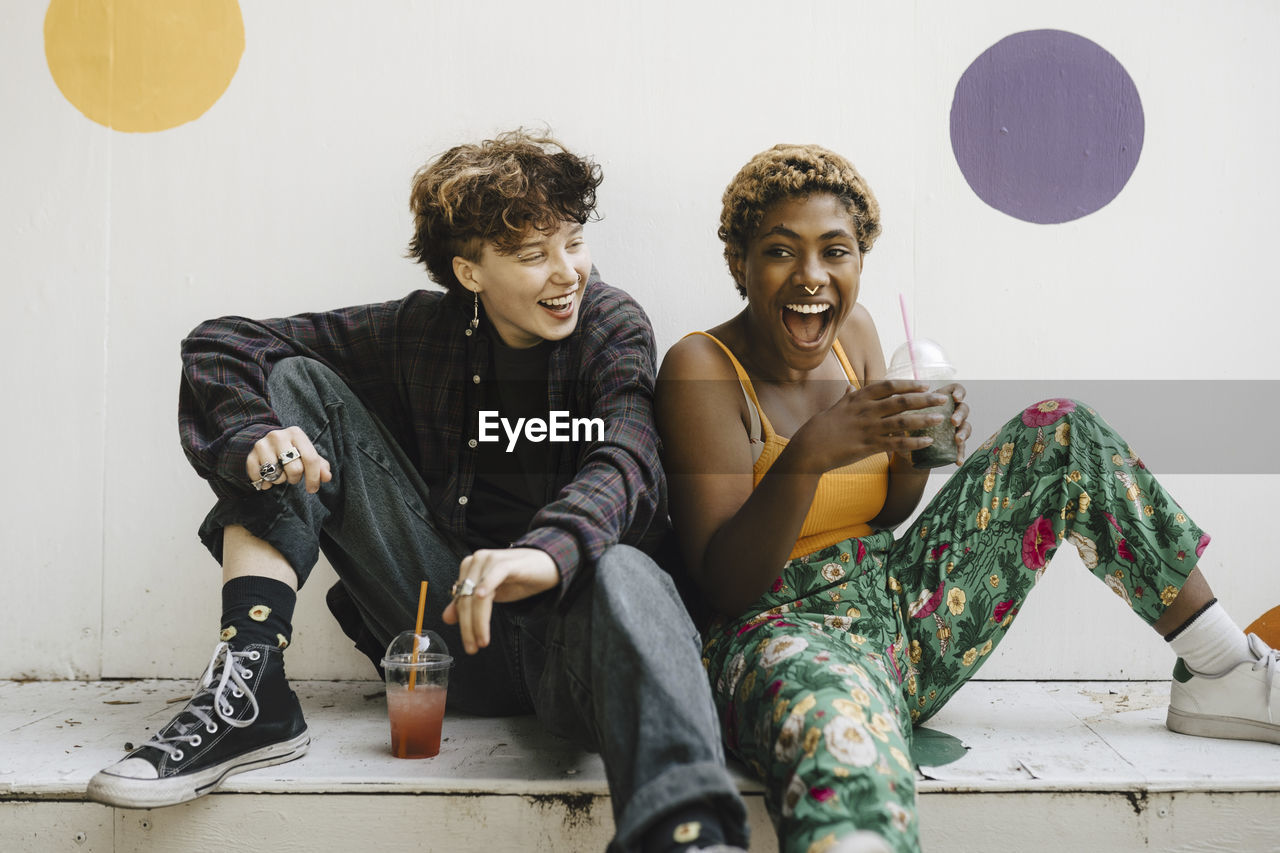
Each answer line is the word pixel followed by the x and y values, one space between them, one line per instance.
pixel 790 459
pixel 371 434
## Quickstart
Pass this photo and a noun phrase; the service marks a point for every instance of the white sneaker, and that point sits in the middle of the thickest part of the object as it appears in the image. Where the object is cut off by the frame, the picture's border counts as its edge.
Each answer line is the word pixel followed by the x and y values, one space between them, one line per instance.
pixel 862 842
pixel 1242 703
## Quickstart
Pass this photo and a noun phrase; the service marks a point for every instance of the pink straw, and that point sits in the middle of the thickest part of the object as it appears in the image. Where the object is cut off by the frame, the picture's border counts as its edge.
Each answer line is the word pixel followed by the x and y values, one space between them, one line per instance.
pixel 911 348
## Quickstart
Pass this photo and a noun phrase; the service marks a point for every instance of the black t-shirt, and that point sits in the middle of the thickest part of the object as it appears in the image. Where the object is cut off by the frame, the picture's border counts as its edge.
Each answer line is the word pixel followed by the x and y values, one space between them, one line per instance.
pixel 510 487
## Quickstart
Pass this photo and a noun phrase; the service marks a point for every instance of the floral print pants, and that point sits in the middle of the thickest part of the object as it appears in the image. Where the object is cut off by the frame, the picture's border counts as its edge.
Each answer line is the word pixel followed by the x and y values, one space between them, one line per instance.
pixel 819 683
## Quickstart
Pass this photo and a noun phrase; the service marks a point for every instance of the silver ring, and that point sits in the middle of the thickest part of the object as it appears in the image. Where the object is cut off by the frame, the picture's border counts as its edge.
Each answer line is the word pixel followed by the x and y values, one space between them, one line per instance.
pixel 290 455
pixel 468 588
pixel 271 472
pixel 257 484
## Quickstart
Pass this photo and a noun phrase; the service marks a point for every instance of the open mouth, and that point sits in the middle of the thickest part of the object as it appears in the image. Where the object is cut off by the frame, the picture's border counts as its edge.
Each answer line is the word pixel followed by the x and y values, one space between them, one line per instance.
pixel 560 306
pixel 807 322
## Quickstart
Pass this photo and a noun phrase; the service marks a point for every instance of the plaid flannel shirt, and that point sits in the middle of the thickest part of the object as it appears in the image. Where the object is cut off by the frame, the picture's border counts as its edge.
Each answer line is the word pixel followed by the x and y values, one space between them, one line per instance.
pixel 416 366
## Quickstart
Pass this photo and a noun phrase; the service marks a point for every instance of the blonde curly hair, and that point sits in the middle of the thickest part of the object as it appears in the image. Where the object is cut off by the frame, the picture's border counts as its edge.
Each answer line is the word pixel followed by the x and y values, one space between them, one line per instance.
pixel 788 171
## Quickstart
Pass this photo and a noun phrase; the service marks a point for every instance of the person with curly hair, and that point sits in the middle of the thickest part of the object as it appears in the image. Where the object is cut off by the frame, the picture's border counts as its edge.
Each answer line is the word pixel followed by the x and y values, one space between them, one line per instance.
pixel 789 458
pixel 361 433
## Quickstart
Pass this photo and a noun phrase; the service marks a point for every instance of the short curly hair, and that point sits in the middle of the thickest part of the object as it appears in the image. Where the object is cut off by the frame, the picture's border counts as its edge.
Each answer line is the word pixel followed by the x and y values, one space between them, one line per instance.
pixel 788 171
pixel 495 191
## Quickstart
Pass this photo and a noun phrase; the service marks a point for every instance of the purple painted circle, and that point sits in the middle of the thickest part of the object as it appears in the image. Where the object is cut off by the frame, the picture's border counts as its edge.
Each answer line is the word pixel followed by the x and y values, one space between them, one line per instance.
pixel 1046 126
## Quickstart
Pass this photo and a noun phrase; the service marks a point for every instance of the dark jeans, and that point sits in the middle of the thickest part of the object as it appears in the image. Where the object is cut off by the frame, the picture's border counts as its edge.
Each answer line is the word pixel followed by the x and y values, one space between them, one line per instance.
pixel 617 667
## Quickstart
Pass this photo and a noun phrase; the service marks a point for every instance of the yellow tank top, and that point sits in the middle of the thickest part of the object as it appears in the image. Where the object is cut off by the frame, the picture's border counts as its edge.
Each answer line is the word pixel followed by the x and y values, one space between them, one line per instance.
pixel 847 498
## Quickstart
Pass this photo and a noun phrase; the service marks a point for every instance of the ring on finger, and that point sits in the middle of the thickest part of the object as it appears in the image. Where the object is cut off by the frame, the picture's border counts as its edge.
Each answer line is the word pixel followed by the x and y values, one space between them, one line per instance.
pixel 465 588
pixel 257 484
pixel 290 455
pixel 271 472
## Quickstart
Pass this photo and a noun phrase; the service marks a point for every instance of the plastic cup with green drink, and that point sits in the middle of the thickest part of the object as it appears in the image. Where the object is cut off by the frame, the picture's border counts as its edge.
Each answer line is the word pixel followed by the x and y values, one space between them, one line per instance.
pixel 925 361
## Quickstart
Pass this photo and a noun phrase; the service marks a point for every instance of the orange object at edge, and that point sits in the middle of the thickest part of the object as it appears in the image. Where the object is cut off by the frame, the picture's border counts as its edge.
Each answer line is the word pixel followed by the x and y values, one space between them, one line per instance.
pixel 1267 627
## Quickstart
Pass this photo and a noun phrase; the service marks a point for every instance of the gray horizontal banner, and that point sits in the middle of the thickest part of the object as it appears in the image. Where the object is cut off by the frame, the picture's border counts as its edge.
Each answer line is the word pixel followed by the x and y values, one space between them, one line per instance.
pixel 1175 426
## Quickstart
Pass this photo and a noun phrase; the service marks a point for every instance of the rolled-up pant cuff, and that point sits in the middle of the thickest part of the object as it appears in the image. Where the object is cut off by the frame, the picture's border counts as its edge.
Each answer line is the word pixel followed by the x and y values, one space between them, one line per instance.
pixel 268 517
pixel 681 786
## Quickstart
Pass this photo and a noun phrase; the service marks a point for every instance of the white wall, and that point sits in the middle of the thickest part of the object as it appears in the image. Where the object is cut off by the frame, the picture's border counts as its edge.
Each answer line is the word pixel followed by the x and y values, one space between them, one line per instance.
pixel 290 194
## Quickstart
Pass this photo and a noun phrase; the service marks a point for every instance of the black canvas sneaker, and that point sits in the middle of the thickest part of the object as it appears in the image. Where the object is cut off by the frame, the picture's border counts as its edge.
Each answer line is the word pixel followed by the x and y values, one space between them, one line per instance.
pixel 243 716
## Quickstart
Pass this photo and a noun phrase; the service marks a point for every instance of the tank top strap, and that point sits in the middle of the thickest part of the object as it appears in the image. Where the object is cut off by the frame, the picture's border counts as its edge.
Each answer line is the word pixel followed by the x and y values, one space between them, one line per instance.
pixel 757 413
pixel 844 362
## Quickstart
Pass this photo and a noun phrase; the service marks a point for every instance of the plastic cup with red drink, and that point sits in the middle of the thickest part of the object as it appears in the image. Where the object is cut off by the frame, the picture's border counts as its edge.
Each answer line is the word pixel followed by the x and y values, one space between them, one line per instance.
pixel 417 676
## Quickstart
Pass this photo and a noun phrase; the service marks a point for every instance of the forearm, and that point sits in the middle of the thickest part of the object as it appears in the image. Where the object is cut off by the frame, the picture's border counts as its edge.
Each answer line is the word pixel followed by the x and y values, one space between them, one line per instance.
pixel 226 362
pixel 222 402
pixel 615 497
pixel 746 554
pixel 906 485
pixel 619 490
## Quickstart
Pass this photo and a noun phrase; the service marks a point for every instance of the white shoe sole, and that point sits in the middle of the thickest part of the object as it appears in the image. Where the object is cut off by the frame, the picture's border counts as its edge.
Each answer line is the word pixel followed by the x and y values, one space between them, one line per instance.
pixel 129 793
pixel 1232 728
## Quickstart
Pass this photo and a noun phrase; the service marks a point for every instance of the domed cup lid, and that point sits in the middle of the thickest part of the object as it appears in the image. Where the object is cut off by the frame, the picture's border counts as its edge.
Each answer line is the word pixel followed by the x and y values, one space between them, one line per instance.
pixel 426 650
pixel 931 362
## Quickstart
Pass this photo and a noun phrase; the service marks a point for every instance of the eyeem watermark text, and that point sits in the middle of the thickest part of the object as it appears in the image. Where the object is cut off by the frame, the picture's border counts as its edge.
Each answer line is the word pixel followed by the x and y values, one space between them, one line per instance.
pixel 558 427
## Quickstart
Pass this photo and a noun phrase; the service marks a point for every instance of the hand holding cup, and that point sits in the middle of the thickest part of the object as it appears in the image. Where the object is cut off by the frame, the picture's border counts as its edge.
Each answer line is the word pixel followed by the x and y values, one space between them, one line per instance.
pixel 924 360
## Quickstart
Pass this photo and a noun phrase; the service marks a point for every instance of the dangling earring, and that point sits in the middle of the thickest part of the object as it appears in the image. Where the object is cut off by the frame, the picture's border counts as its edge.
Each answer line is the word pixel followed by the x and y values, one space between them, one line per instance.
pixel 475 312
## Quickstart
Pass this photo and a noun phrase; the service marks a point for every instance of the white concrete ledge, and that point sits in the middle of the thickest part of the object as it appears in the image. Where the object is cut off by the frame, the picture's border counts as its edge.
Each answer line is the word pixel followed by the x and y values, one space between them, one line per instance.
pixel 1051 765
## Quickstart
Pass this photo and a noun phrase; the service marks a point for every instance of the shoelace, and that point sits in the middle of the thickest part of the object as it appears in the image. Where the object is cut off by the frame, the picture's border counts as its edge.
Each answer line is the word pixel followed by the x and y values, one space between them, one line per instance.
pixel 233 681
pixel 1268 659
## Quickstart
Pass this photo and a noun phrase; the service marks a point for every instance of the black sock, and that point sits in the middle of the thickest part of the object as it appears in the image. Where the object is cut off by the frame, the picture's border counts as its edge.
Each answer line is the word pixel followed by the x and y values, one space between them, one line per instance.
pixel 257 610
pixel 695 825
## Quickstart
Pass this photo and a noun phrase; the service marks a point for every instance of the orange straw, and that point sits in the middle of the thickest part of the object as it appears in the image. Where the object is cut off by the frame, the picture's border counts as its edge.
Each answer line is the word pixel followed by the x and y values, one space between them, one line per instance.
pixel 417 630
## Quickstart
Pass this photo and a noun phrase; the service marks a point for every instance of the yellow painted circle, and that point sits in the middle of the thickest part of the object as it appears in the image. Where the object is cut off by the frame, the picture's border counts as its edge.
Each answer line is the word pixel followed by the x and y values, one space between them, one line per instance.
pixel 143 65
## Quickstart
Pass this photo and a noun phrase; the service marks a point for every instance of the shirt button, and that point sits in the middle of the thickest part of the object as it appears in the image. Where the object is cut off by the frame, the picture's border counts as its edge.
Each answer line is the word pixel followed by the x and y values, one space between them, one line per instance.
pixel 462 501
pixel 467 333
pixel 471 443
pixel 476 379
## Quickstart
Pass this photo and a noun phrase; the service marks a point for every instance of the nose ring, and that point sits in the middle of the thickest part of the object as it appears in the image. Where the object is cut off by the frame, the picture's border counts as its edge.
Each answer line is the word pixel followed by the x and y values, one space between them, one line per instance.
pixel 812 292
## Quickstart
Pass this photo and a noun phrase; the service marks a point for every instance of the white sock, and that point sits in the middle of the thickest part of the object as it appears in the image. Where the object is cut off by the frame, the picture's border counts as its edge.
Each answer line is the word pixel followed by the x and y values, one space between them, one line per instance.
pixel 1210 643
